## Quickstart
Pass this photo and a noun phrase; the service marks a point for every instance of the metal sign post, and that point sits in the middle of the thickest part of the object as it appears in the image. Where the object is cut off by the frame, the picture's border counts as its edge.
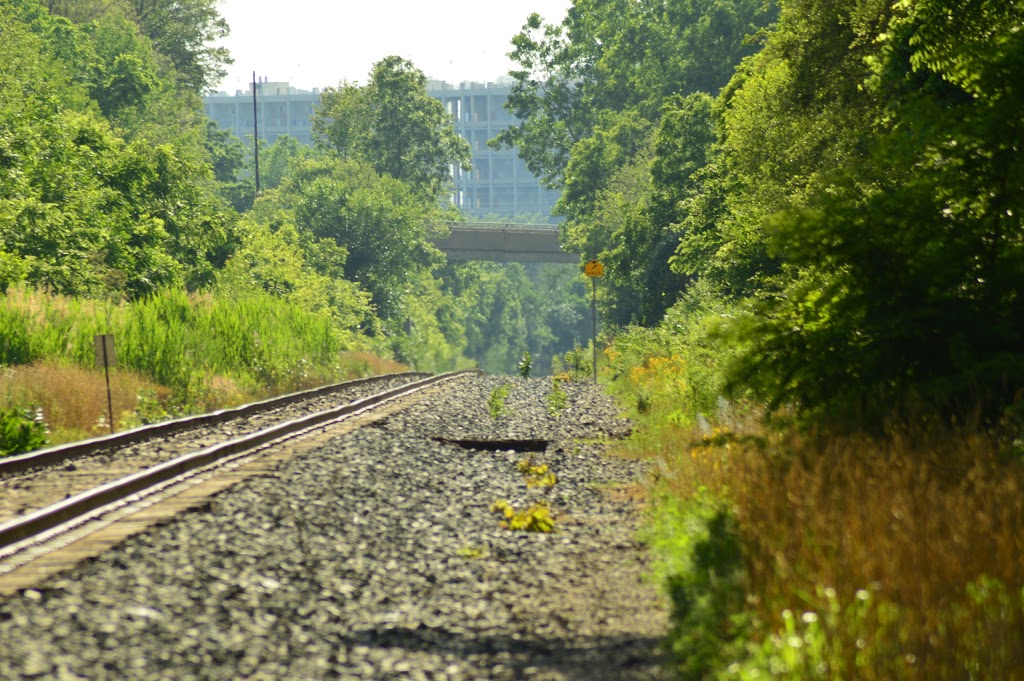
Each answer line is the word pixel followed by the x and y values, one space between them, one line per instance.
pixel 594 269
pixel 106 357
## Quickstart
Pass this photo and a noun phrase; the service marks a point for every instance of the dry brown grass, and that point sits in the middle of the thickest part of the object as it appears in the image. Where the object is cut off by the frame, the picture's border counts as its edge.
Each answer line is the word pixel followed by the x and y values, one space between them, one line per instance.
pixel 915 521
pixel 374 365
pixel 627 493
pixel 73 399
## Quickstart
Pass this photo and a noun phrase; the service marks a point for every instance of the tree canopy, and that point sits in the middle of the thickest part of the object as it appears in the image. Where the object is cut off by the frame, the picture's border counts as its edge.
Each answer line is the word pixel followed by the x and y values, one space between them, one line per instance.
pixel 590 94
pixel 97 196
pixel 845 178
pixel 393 124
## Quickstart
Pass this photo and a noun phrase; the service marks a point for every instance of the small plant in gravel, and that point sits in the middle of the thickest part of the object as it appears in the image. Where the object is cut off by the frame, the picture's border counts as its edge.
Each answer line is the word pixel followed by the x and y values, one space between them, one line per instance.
pixel 558 400
pixel 536 518
pixel 547 480
pixel 21 430
pixel 473 552
pixel 536 476
pixel 525 364
pixel 496 401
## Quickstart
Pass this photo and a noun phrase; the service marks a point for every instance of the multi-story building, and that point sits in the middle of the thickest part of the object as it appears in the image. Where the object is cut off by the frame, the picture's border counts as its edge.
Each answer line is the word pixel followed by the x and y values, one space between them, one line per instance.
pixel 499 183
pixel 282 110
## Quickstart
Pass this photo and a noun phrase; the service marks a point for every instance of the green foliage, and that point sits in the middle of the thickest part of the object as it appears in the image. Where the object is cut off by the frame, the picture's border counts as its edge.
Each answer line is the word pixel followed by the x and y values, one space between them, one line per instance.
pixel 506 309
pixel 614 109
pixel 525 364
pixel 148 409
pixel 279 160
pixel 186 32
pixel 697 549
pixel 21 430
pixel 382 226
pixel 392 124
pixel 89 205
pixel 644 399
pixel 496 400
pixel 181 341
pixel 578 363
pixel 557 398
pixel 229 159
pixel 431 337
pixel 867 636
pixel 612 56
pixel 673 374
pixel 807 646
pixel 473 552
pixel 536 475
pixel 272 261
pixel 902 266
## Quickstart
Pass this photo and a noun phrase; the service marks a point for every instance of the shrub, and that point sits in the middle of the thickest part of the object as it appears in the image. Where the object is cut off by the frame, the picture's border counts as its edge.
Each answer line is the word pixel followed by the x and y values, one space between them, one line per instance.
pixel 21 430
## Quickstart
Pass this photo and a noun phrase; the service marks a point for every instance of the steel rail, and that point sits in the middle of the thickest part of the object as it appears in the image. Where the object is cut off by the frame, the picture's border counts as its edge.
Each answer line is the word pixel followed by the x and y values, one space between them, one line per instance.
pixel 44 519
pixel 53 456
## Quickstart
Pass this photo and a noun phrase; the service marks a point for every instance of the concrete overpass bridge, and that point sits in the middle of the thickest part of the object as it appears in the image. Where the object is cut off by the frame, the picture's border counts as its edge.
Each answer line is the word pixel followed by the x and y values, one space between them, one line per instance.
pixel 499 242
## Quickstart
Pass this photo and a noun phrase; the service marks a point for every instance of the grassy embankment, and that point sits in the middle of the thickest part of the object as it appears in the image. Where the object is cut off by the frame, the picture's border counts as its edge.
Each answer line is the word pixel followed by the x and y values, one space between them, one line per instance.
pixel 796 554
pixel 176 354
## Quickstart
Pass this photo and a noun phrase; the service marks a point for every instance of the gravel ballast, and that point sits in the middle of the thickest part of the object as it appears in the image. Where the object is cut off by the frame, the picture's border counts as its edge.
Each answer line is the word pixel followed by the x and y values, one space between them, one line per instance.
pixel 377 557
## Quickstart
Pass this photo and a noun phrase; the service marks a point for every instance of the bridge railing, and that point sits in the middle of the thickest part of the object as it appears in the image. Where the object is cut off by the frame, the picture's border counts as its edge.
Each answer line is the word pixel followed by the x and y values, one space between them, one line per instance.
pixel 502 225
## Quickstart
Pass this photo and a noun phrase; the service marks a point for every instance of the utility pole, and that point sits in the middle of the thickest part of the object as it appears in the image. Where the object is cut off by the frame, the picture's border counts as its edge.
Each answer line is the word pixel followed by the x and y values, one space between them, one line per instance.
pixel 255 134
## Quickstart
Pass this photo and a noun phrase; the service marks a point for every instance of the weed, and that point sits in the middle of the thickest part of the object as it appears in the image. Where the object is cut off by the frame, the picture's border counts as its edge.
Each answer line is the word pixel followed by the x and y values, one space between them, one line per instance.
pixel 191 352
pixel 536 518
pixel 536 476
pixel 21 430
pixel 148 409
pixel 643 402
pixel 496 400
pixel 473 552
pixel 525 364
pixel 557 398
pixel 547 480
pixel 578 362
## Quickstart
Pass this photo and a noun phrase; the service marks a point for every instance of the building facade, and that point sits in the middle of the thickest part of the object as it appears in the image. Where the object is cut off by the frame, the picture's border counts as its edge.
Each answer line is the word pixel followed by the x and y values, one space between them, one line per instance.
pixel 281 110
pixel 499 183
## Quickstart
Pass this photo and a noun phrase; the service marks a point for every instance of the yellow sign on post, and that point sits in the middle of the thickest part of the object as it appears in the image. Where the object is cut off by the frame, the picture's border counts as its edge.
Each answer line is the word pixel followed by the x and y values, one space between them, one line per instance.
pixel 594 269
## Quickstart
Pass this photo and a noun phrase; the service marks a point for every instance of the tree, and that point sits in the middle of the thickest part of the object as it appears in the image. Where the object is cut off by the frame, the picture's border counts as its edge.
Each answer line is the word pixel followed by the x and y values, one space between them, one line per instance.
pixel 383 226
pixel 87 207
pixel 393 124
pixel 613 56
pixel 272 260
pixel 902 264
pixel 590 94
pixel 184 31
pixel 280 159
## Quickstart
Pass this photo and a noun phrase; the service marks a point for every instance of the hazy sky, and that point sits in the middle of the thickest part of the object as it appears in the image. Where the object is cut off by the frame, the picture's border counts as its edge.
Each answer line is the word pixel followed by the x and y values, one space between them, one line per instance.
pixel 314 43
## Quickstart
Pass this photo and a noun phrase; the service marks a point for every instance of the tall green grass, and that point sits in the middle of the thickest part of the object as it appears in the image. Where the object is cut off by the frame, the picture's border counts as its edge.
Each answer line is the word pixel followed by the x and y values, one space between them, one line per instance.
pixel 179 340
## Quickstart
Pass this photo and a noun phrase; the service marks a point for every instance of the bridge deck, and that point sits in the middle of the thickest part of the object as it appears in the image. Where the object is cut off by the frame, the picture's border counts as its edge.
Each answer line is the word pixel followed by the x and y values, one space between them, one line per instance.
pixel 504 243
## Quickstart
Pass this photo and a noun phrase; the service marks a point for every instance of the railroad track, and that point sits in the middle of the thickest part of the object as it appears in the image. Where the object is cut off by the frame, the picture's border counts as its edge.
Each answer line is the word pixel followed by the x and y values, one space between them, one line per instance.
pixel 53 498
